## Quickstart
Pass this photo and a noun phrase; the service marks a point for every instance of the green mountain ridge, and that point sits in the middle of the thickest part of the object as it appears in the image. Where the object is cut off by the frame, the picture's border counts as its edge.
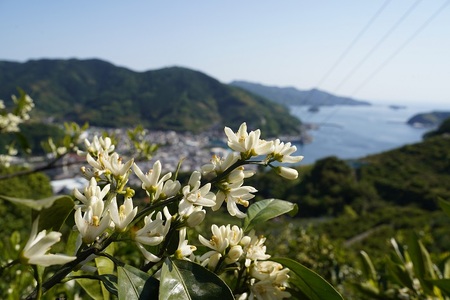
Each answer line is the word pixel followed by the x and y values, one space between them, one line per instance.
pixel 172 98
pixel 293 96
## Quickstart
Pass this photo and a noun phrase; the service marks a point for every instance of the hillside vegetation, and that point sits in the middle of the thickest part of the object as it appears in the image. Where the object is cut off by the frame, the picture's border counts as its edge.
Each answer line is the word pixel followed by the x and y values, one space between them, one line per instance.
pixel 367 201
pixel 173 98
pixel 293 96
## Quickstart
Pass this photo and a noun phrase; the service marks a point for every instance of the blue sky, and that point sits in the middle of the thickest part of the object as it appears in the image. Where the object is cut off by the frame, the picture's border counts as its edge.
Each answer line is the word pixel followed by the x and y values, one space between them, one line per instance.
pixel 403 57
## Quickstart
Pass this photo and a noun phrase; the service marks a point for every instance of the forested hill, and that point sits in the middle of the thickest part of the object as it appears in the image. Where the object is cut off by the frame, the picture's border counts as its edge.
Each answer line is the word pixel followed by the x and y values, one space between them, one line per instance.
pixel 293 96
pixel 172 98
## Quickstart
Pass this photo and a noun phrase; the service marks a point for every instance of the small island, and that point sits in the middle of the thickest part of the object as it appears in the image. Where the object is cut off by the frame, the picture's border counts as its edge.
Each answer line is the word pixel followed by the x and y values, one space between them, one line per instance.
pixel 429 119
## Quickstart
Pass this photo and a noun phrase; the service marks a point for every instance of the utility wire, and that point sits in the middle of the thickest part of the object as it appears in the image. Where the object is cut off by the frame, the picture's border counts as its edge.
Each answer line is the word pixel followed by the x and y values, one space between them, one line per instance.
pixel 378 44
pixel 371 51
pixel 348 49
pixel 399 49
pixel 352 43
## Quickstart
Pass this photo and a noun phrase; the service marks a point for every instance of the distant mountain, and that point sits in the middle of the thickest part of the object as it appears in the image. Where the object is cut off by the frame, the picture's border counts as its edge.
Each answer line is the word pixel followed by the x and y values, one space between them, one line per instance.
pixel 172 98
pixel 429 119
pixel 293 96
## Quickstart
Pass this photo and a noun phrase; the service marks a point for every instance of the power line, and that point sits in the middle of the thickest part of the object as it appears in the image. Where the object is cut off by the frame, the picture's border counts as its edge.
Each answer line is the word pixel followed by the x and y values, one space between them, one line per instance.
pixel 399 49
pixel 378 44
pixel 349 48
pixel 353 42
pixel 371 51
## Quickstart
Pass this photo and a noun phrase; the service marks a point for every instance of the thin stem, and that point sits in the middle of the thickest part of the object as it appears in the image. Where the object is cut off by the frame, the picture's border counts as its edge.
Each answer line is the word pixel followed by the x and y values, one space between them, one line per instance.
pixel 48 166
pixel 39 282
pixel 151 207
pixel 113 259
pixel 8 265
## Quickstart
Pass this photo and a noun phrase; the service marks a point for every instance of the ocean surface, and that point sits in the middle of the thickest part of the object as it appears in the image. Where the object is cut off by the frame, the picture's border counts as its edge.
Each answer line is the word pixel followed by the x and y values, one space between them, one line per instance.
pixel 357 131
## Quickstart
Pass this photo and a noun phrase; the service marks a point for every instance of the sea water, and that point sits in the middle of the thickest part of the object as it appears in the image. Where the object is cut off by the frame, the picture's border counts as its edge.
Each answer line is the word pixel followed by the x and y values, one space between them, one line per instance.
pixel 350 132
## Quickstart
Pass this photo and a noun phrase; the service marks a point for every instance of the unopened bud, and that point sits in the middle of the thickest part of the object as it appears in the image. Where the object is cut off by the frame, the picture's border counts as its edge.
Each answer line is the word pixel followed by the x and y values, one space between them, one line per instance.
pixel 287 173
pixel 234 254
pixel 196 218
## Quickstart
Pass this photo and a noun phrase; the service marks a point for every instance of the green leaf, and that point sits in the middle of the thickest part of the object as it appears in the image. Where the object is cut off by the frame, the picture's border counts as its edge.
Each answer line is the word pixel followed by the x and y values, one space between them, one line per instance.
pixel 445 266
pixel 135 284
pixel 109 282
pixel 442 284
pixel 399 274
pixel 54 216
pixel 367 266
pixel 104 267
pixel 423 267
pixel 182 279
pixel 445 206
pixel 369 289
pixel 308 282
pixel 92 284
pixel 33 204
pixel 267 209
pixel 92 287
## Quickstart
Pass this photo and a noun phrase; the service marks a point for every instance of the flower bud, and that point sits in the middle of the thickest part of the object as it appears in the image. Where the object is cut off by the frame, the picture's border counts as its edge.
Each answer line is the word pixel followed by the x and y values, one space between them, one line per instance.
pixel 214 260
pixel 234 254
pixel 245 240
pixel 287 173
pixel 196 218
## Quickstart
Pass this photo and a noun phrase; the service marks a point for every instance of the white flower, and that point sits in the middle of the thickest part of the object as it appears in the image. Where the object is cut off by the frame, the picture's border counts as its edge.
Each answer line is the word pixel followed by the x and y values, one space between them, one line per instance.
pixel 9 122
pixel 194 195
pixel 265 289
pixel 151 181
pixel 234 194
pixel 39 244
pixel 273 280
pixel 234 234
pixel 219 241
pixel 184 250
pixel 170 188
pixel 123 215
pixel 223 237
pixel 274 271
pixel 287 173
pixel 99 145
pixel 248 144
pixel 154 231
pixel 255 249
pixel 282 152
pixel 93 223
pixel 113 164
pixel 96 164
pixel 147 254
pixel 92 193
pixel 219 165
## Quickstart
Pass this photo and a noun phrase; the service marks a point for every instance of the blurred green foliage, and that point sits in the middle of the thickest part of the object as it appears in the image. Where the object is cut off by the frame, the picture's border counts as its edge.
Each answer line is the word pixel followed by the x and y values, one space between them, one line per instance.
pixel 443 129
pixel 33 186
pixel 14 227
pixel 33 135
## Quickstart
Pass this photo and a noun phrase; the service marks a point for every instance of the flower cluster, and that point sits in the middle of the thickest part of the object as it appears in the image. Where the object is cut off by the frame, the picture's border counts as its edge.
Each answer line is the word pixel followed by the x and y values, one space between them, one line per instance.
pixel 230 188
pixel 98 211
pixel 247 254
pixel 105 212
pixel 9 121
